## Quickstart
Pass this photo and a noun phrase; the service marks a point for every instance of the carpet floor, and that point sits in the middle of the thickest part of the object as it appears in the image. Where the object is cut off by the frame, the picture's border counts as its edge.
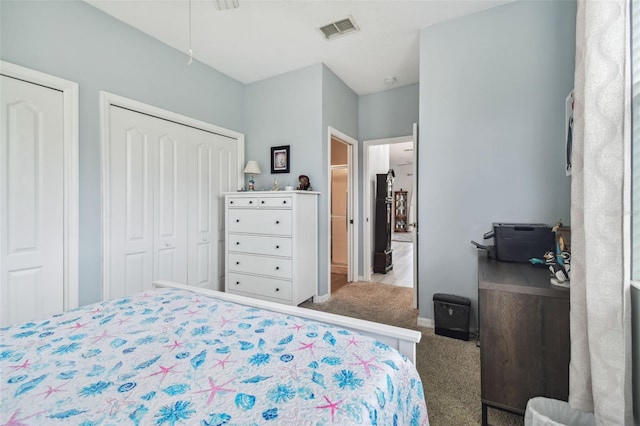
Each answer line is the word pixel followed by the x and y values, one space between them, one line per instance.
pixel 449 368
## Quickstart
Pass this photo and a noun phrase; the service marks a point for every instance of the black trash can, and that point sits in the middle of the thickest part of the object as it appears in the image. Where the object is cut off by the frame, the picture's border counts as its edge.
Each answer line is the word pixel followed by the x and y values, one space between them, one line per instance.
pixel 451 315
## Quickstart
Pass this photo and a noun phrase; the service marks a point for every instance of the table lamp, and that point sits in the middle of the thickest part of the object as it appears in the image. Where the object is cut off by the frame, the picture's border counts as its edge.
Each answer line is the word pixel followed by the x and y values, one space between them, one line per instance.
pixel 253 168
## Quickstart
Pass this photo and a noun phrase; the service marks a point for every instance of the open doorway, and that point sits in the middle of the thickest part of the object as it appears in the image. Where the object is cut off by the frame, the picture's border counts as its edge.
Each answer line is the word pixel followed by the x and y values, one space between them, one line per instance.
pixel 342 210
pixel 380 156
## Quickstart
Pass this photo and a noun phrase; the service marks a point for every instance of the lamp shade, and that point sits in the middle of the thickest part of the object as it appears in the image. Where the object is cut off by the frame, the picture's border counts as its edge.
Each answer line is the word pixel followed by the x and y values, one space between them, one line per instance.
pixel 252 167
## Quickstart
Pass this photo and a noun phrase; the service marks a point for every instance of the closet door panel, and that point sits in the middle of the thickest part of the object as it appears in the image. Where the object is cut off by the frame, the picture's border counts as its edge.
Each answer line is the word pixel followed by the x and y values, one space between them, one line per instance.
pixel 227 181
pixel 131 203
pixel 209 175
pixel 170 212
pixel 31 201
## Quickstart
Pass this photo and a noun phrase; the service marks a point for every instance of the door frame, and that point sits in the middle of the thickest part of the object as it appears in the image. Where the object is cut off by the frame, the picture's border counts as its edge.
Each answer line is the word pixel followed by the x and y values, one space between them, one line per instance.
pixel 107 100
pixel 71 122
pixel 367 212
pixel 352 205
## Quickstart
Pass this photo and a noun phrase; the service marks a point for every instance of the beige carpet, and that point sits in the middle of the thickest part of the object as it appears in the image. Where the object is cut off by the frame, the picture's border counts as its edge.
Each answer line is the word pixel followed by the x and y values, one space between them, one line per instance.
pixel 449 368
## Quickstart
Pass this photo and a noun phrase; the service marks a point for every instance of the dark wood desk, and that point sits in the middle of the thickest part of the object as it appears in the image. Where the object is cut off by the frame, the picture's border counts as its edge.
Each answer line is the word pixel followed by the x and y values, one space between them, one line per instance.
pixel 524 335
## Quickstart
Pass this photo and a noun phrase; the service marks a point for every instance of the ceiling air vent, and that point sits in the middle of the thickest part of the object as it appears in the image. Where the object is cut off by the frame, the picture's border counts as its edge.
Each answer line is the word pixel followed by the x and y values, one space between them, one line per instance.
pixel 339 28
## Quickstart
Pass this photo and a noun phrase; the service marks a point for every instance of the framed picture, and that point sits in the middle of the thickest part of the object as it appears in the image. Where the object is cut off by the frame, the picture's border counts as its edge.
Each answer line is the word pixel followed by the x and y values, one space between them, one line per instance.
pixel 280 160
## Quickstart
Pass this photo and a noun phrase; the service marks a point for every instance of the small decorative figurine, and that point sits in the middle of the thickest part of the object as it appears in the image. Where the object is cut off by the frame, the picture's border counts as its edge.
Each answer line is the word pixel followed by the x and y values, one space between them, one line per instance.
pixel 305 185
pixel 276 185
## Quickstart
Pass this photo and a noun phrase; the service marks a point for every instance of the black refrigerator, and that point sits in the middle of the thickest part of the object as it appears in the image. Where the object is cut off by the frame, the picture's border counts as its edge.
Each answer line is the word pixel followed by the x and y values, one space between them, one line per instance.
pixel 382 256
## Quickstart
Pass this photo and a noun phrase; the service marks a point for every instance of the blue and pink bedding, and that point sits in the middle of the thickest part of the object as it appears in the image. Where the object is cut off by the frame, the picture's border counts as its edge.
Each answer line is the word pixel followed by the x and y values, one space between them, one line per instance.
pixel 170 357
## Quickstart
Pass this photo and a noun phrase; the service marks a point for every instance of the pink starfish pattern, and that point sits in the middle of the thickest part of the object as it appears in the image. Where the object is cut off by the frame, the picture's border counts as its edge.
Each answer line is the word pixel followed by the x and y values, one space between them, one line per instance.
pixel 191 313
pixel 297 327
pixel 333 406
pixel 104 334
pixel 25 364
pixel 122 321
pixel 214 389
pixel 224 321
pixel 307 346
pixel 77 326
pixel 223 362
pixel 114 405
pixel 353 341
pixel 51 390
pixel 366 364
pixel 174 345
pixel 164 371
pixel 15 421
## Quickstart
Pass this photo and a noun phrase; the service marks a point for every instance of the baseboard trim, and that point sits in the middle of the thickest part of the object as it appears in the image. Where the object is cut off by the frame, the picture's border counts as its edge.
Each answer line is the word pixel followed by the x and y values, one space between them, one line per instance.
pixel 425 322
pixel 321 299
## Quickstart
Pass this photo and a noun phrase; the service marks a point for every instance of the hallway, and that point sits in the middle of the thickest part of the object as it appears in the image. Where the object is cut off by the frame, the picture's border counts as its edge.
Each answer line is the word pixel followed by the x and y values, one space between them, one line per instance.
pixel 400 276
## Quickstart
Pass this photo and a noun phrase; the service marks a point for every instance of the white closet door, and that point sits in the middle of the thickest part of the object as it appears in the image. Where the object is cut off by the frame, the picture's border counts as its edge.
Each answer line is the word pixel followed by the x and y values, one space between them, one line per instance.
pixel 170 209
pixel 31 201
pixel 148 220
pixel 212 170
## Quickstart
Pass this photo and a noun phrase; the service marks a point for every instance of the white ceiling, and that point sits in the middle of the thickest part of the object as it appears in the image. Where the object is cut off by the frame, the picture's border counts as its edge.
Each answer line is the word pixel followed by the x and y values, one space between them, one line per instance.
pixel 262 38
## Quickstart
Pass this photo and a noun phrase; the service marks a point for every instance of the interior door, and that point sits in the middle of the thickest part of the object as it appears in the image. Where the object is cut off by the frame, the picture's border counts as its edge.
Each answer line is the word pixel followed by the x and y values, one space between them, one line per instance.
pixel 212 170
pixel 413 217
pixel 148 202
pixel 31 201
pixel 339 220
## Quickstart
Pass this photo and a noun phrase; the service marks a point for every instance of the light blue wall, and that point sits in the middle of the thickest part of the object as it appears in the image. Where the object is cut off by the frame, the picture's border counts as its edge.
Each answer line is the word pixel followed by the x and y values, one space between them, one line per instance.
pixel 384 115
pixel 73 40
pixel 389 114
pixel 286 110
pixel 492 91
pixel 295 109
pixel 340 111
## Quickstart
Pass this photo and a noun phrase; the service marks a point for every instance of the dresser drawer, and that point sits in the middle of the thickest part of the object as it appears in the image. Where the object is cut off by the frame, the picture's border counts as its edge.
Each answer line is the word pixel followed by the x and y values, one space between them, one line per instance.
pixel 257 244
pixel 284 202
pixel 274 222
pixel 260 286
pixel 272 266
pixel 242 201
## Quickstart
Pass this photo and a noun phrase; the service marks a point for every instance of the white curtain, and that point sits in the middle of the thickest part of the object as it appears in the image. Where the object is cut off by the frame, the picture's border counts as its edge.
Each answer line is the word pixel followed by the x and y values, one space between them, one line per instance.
pixel 600 369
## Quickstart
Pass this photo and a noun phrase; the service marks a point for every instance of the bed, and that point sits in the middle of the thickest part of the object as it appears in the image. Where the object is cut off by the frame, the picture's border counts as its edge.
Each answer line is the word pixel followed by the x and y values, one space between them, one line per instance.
pixel 174 356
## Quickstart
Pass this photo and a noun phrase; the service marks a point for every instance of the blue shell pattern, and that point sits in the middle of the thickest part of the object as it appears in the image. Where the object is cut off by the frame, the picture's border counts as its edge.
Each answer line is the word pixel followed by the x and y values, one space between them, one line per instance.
pixel 171 357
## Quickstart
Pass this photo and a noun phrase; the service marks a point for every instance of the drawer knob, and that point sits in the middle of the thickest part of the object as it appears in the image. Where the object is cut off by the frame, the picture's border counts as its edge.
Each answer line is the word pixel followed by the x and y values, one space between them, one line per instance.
pixel 277 289
pixel 237 220
pixel 277 268
pixel 277 247
pixel 262 201
pixel 230 202
pixel 237 282
pixel 277 222
pixel 237 263
pixel 250 202
pixel 284 202
pixel 237 243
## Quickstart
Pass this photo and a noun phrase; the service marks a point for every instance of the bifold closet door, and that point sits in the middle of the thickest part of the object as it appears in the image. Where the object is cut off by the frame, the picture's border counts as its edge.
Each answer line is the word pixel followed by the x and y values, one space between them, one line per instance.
pixel 212 160
pixel 148 202
pixel 31 201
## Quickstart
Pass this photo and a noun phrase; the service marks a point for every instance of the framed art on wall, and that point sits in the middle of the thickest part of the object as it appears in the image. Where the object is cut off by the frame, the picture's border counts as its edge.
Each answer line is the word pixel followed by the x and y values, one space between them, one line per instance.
pixel 280 160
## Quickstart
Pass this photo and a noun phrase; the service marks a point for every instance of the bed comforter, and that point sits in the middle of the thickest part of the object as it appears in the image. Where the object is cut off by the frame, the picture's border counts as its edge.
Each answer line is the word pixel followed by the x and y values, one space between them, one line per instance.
pixel 170 357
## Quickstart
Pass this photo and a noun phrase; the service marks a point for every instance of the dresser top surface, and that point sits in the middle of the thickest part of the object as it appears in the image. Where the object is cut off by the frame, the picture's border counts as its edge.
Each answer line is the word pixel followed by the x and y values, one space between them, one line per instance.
pixel 267 193
pixel 517 278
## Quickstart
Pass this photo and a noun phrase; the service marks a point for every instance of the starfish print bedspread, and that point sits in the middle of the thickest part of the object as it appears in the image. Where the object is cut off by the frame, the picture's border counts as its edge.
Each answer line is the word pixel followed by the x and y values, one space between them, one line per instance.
pixel 171 357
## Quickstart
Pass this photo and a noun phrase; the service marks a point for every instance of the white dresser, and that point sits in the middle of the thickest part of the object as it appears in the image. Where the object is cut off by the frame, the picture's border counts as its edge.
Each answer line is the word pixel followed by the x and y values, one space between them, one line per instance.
pixel 272 245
